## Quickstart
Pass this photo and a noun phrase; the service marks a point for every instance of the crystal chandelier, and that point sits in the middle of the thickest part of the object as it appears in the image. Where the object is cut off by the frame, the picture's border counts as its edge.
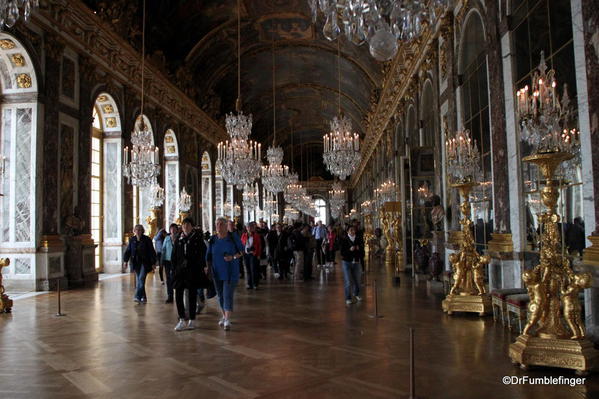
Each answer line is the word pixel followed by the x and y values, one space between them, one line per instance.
pixel 250 196
pixel 381 23
pixel 184 201
pixel 545 118
pixel 275 176
pixel 463 158
pixel 157 195
pixel 142 168
pixel 341 153
pixel 291 213
pixel 367 207
pixel 386 192
pixel 239 159
pixel 336 199
pixel 341 148
pixel 10 11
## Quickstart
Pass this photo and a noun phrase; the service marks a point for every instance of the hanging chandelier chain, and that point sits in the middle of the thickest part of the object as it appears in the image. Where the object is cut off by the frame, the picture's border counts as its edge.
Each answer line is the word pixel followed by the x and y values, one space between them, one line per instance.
pixel 338 76
pixel 274 96
pixel 238 103
pixel 143 54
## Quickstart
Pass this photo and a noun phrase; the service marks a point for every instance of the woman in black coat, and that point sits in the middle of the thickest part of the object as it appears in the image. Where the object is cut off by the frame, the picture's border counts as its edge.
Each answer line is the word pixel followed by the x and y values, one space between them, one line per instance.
pixel 189 260
pixel 140 252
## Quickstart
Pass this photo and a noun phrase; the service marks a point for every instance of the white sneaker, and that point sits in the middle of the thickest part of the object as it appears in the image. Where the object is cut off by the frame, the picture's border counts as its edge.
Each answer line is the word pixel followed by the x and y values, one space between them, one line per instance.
pixel 227 325
pixel 277 275
pixel 358 298
pixel 221 322
pixel 348 301
pixel 180 325
pixel 190 325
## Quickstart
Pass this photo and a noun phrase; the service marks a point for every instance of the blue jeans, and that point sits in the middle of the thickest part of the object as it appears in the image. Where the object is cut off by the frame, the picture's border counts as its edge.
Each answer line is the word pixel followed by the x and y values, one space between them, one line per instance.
pixel 225 291
pixel 352 275
pixel 140 283
pixel 252 270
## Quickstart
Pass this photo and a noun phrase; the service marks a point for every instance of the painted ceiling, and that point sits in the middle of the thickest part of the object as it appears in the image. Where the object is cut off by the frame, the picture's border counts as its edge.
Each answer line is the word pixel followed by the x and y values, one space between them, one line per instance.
pixel 195 43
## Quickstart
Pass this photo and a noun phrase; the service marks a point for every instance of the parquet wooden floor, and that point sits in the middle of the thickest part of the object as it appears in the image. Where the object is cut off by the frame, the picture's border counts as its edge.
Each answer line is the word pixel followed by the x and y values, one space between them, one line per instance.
pixel 287 341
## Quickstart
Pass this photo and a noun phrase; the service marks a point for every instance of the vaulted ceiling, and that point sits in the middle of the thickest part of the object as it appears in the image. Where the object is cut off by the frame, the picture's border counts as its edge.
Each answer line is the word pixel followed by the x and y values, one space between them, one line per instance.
pixel 195 42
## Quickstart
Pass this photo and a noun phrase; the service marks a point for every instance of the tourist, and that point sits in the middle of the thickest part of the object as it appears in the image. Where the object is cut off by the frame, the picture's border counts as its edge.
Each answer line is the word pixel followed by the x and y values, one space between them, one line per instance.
pixel 252 243
pixel 140 252
pixel 165 261
pixel 222 258
pixel 188 259
pixel 330 248
pixel 158 242
pixel 352 252
pixel 309 249
pixel 319 233
pixel 297 243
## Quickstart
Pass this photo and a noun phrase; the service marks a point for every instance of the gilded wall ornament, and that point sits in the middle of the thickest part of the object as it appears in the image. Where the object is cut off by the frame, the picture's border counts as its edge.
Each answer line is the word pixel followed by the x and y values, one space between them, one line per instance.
pixel 108 108
pixel 111 122
pixel 102 98
pixel 23 81
pixel 17 60
pixel 7 44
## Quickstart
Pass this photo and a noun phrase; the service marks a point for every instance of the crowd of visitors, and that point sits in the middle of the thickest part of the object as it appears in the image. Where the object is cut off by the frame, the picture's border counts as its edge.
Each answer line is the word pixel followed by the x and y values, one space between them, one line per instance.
pixel 197 266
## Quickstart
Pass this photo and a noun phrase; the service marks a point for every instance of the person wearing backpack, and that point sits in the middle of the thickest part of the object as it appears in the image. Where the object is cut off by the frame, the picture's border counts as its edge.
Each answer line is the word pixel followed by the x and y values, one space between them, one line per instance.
pixel 222 259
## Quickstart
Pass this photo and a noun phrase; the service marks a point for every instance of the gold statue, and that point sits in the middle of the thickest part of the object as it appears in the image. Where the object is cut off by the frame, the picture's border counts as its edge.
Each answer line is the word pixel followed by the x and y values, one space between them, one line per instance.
pixel 5 301
pixel 468 292
pixel 152 221
pixel 552 286
pixel 572 308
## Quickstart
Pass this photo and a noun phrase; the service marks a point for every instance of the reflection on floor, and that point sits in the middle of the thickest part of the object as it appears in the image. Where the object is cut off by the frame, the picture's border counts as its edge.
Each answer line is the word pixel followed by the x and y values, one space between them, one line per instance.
pixel 287 341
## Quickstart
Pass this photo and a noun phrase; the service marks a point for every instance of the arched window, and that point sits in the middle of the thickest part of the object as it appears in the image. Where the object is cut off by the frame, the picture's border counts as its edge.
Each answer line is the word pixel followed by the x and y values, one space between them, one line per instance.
pixel 171 178
pixel 18 151
pixel 321 208
pixel 207 219
pixel 429 116
pixel 142 197
pixel 106 184
pixel 475 115
pixel 219 188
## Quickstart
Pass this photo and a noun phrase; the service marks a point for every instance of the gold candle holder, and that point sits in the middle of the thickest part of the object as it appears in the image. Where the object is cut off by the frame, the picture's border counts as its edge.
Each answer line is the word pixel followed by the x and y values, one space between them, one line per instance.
pixel 390 215
pixel 553 288
pixel 468 293
pixel 152 221
pixel 5 301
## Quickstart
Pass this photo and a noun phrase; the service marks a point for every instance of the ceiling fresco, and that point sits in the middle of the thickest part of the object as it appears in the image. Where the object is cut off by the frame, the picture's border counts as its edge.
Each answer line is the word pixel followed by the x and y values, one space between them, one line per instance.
pixel 195 43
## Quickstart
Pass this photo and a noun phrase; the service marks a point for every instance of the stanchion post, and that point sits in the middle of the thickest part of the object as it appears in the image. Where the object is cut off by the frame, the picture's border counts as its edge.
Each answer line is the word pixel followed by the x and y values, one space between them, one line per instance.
pixel 59 313
pixel 376 314
pixel 412 371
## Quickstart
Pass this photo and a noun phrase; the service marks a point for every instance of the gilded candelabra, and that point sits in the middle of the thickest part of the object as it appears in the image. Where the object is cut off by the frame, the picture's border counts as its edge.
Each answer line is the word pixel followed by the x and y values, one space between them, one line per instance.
pixel 152 221
pixel 390 215
pixel 553 289
pixel 468 293
pixel 369 237
pixel 5 301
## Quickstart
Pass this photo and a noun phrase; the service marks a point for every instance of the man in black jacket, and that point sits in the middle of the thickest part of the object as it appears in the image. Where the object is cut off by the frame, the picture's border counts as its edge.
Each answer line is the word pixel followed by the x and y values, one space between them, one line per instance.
pixel 140 252
pixel 189 261
pixel 352 252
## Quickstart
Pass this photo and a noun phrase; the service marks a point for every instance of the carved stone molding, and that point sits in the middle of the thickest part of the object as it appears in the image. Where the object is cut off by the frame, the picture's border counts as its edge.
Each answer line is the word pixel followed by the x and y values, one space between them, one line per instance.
pixel 53 47
pixel 86 32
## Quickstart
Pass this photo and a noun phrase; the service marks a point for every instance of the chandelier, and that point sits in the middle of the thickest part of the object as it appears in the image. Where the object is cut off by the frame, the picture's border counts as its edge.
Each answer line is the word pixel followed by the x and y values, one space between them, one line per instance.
pixel 463 158
pixel 381 23
pixel 142 168
pixel 271 205
pixel 367 207
pixel 232 209
pixel 10 11
pixel 275 176
pixel 386 192
pixel 156 195
pixel 341 148
pixel 341 153
pixel 250 196
pixel 291 213
pixel 238 158
pixel 336 199
pixel 545 118
pixel 184 201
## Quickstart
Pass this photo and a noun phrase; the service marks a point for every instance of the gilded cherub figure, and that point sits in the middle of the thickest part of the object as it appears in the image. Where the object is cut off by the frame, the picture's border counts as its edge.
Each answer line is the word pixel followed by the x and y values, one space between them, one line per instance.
pixel 478 270
pixel 459 275
pixel 572 308
pixel 537 293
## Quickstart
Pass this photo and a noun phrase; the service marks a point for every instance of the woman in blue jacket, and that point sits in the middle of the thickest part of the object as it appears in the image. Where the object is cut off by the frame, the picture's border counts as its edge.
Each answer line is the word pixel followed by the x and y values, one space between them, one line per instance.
pixel 222 259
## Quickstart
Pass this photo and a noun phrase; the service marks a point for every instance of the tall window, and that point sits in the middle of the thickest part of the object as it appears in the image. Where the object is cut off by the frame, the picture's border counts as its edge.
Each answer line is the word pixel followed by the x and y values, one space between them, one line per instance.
pixel 475 115
pixel 96 185
pixel 207 219
pixel 171 177
pixel 321 208
pixel 106 184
